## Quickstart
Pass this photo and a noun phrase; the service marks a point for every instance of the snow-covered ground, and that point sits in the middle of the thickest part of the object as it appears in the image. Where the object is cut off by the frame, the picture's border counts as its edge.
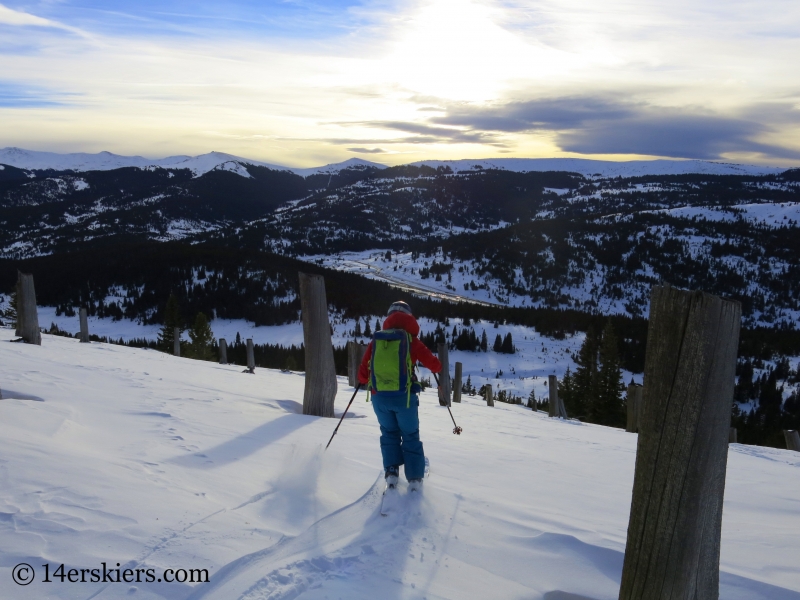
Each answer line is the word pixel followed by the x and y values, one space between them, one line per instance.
pixel 116 455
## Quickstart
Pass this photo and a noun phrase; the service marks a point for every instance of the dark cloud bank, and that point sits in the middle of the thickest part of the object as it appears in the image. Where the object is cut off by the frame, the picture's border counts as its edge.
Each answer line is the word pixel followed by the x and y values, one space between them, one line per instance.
pixel 603 125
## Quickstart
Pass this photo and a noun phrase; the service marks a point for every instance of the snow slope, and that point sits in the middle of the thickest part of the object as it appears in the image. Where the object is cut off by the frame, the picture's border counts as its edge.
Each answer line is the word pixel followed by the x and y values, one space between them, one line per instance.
pixel 605 168
pixel 139 458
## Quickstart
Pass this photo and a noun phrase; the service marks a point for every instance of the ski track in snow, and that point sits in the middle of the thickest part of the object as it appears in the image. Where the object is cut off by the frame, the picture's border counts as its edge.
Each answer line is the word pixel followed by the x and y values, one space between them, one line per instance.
pixel 134 456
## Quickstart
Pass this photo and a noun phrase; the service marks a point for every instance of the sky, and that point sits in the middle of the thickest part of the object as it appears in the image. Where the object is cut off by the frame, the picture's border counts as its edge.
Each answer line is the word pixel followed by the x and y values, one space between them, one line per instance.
pixel 304 82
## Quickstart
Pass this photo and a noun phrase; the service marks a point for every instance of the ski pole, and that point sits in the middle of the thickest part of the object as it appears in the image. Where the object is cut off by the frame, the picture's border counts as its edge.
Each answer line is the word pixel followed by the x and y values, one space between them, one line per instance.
pixel 457 430
pixel 358 387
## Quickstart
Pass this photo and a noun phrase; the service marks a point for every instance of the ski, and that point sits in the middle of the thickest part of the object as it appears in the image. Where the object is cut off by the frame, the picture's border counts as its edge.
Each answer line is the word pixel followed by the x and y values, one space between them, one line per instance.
pixel 416 486
pixel 390 501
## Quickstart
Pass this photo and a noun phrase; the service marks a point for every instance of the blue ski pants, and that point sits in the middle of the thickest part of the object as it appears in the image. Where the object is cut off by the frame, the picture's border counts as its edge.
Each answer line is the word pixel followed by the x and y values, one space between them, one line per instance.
pixel 400 443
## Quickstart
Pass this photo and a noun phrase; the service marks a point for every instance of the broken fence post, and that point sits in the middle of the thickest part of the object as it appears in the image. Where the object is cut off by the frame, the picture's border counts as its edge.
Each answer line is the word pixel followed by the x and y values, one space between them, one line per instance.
pixel 630 425
pixel 27 313
pixel 353 362
pixel 556 405
pixel 223 351
pixel 489 396
pixel 251 357
pixel 457 383
pixel 639 407
pixel 444 376
pixel 176 349
pixel 84 318
pixel 320 383
pixel 673 544
pixel 792 438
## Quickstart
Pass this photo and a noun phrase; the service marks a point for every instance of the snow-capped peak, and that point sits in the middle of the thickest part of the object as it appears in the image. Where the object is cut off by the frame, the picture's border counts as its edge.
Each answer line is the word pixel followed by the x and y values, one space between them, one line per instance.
pixel 350 163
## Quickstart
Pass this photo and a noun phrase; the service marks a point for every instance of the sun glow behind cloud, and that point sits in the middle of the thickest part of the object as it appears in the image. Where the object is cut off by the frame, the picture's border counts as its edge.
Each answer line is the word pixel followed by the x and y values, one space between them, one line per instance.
pixel 401 82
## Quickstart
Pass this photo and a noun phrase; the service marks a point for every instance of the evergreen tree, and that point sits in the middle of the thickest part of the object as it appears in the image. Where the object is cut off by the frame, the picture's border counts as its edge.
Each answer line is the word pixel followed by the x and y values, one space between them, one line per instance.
pixel 508 344
pixel 367 330
pixel 566 392
pixel 468 387
pixel 201 346
pixel 172 319
pixel 358 328
pixel 484 342
pixel 498 344
pixel 238 339
pixel 11 311
pixel 608 399
pixel 377 325
pixel 532 404
pixel 585 377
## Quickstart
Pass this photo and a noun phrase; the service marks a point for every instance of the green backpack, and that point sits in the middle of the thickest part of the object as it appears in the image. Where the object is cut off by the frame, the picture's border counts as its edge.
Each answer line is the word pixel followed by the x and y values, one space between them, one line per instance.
pixel 391 371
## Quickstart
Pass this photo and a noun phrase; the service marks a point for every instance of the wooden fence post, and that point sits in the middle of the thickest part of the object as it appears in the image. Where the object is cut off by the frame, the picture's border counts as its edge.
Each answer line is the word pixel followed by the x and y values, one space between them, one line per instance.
pixel 320 385
pixel 353 362
pixel 223 351
pixel 556 405
pixel 675 524
pixel 84 318
pixel 444 376
pixel 639 407
pixel 27 314
pixel 176 349
pixel 792 438
pixel 630 425
pixel 251 358
pixel 489 396
pixel 457 383
pixel 732 436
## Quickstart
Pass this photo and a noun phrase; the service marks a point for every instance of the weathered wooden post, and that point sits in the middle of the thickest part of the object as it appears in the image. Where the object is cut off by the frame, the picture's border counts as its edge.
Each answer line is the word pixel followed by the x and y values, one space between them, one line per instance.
pixel 444 376
pixel 673 545
pixel 457 383
pixel 223 351
pixel 489 396
pixel 630 425
pixel 353 363
pixel 792 438
pixel 639 407
pixel 251 357
pixel 27 314
pixel 84 320
pixel 732 436
pixel 176 350
pixel 556 406
pixel 320 386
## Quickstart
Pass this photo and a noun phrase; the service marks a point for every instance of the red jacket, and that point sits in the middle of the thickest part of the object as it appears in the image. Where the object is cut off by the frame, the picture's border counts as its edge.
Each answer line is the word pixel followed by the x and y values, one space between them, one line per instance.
pixel 419 351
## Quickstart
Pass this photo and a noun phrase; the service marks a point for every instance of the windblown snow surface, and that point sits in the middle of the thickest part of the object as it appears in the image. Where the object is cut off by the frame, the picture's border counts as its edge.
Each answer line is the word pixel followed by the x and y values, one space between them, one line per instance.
pixel 116 455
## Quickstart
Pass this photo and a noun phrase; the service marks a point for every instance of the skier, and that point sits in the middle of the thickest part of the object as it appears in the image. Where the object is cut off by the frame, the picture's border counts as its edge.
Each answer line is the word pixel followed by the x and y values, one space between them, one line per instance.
pixel 388 371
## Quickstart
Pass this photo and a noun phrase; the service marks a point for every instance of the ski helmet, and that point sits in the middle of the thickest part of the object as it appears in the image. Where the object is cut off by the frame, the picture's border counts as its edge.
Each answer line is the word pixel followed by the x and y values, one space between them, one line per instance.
pixel 399 306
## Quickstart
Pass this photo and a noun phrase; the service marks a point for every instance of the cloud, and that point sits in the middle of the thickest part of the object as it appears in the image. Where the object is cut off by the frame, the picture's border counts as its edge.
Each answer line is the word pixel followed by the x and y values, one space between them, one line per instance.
pixel 13 95
pixel 614 125
pixel 368 150
pixel 18 18
pixel 548 114
pixel 425 134
pixel 673 134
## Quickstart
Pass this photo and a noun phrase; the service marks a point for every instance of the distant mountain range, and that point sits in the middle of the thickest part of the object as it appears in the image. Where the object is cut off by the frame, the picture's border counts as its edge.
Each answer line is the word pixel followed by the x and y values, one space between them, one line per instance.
pixel 203 163
pixel 590 236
